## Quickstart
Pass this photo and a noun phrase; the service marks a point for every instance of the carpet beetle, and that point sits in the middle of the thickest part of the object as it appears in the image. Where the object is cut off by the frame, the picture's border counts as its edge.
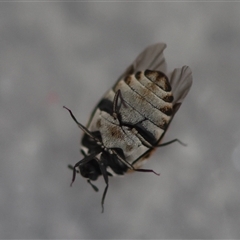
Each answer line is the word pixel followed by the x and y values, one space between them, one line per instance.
pixel 129 122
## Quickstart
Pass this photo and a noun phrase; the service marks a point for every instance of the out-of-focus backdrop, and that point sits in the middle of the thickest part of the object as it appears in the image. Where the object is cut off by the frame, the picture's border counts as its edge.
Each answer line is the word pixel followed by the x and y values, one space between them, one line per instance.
pixel 54 54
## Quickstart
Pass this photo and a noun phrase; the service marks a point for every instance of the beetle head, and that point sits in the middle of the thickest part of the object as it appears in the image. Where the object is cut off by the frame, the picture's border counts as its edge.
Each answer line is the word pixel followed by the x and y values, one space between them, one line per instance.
pixel 90 170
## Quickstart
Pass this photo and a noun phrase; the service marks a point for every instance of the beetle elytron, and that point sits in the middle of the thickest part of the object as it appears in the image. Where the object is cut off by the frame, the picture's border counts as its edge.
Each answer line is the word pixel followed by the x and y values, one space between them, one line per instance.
pixel 131 119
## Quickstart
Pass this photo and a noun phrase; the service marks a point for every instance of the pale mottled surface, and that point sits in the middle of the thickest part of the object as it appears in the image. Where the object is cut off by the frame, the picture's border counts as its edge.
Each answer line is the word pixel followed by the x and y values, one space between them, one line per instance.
pixel 55 54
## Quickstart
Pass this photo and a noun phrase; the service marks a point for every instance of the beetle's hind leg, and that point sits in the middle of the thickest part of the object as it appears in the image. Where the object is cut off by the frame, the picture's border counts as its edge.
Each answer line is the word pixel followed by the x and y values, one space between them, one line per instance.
pixel 130 166
pixel 172 141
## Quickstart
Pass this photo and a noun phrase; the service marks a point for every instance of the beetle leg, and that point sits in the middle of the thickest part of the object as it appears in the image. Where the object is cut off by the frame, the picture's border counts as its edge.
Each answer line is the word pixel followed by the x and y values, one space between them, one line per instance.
pixel 144 142
pixel 116 113
pixel 84 129
pixel 105 176
pixel 131 166
pixel 146 170
pixel 172 141
pixel 72 168
pixel 117 105
pixel 93 186
pixel 103 197
pixel 116 108
pixel 115 102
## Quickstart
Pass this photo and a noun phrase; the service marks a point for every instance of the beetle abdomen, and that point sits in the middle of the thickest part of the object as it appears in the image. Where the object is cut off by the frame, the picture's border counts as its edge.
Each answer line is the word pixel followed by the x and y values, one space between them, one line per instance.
pixel 147 104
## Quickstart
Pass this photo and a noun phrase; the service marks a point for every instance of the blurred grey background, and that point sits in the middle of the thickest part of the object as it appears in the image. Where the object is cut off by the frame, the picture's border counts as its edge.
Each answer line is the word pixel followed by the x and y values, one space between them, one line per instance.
pixel 54 54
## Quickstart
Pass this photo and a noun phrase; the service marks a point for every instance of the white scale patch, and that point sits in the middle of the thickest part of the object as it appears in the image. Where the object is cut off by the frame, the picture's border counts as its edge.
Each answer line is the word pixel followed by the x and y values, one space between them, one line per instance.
pixel 113 136
pixel 150 97
pixel 141 105
pixel 130 115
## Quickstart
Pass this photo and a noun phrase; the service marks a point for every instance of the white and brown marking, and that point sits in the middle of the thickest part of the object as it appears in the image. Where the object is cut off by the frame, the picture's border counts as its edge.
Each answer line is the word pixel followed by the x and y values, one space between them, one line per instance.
pixel 150 101
pixel 131 119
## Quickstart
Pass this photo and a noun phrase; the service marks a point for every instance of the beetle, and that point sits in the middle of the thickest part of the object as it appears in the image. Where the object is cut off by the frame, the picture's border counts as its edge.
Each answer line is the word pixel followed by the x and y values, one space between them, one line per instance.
pixel 131 119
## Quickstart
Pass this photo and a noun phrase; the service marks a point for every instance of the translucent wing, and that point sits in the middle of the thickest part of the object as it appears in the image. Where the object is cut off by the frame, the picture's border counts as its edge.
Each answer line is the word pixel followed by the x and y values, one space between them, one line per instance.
pixel 152 58
pixel 181 82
